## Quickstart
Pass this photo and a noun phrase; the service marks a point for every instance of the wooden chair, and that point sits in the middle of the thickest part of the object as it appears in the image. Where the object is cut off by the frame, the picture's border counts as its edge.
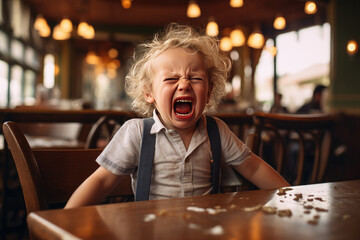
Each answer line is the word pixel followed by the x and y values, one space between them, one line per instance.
pixel 242 125
pixel 103 130
pixel 298 146
pixel 48 177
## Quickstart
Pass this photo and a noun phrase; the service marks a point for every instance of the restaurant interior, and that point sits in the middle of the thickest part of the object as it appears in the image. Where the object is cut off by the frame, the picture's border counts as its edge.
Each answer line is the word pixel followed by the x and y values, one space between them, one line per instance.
pixel 63 65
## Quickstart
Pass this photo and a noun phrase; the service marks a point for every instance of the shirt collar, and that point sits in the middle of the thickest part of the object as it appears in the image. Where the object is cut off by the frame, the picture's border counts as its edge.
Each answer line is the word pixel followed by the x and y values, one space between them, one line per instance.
pixel 158 125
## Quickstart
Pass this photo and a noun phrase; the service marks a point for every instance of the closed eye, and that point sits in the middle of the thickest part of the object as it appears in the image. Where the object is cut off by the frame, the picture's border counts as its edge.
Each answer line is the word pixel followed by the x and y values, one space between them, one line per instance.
pixel 171 79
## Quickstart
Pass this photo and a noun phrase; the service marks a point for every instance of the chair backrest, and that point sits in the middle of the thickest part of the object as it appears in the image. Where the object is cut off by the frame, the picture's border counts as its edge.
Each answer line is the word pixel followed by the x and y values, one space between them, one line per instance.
pixel 103 130
pixel 242 125
pixel 48 177
pixel 298 146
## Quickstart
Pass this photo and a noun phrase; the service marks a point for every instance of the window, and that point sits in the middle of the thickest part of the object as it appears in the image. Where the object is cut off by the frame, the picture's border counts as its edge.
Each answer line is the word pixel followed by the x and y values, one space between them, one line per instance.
pixel 302 61
pixel 19 59
pixel 4 68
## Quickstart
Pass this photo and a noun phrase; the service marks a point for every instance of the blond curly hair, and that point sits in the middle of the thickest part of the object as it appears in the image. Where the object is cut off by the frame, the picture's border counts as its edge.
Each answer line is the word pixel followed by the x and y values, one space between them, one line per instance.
pixel 139 79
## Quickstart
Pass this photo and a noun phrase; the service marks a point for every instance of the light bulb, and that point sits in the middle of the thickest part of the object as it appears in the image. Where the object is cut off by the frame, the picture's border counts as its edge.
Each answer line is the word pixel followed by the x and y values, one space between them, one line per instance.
pixel 212 28
pixel 279 23
pixel 236 3
pixel 310 7
pixel 237 38
pixel 193 10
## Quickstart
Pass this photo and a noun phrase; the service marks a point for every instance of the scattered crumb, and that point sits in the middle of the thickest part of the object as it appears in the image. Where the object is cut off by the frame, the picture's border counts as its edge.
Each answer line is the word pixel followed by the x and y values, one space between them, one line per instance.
pixel 282 201
pixel 307 211
pixel 308 207
pixel 194 226
pixel 313 221
pixel 321 209
pixel 269 210
pixel 162 212
pixel 319 199
pixel 311 195
pixel 250 209
pixel 310 199
pixel 285 213
pixel 316 216
pixel 195 209
pixel 217 230
pixel 149 217
pixel 215 211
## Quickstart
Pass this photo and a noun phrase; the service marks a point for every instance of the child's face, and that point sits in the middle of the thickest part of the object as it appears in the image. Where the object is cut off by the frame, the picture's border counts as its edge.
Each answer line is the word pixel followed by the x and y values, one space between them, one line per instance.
pixel 180 88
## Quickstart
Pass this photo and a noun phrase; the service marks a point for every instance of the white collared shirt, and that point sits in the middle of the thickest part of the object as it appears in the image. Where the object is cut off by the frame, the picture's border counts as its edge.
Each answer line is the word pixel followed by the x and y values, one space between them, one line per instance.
pixel 176 172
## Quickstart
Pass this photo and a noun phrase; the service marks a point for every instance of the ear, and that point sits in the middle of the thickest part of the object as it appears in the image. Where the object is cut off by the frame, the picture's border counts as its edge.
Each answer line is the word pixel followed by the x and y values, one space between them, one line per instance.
pixel 149 97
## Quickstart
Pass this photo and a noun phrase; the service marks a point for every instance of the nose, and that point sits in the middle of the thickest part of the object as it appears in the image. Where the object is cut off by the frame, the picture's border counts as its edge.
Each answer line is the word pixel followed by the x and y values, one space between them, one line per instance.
pixel 184 84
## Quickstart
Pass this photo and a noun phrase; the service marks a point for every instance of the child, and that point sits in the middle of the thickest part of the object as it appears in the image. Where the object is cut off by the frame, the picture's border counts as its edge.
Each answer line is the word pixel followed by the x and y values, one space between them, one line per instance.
pixel 177 77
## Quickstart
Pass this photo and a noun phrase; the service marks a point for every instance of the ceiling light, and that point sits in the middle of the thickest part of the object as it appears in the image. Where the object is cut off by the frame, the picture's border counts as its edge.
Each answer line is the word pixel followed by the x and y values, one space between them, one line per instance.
pixel 237 38
pixel 66 25
pixel 113 53
pixel 42 26
pixel 59 34
pixel 40 22
pixel 193 10
pixel 85 30
pixel 236 3
pixel 310 7
pixel 126 4
pixel 279 23
pixel 225 44
pixel 212 28
pixel 352 47
pixel 256 40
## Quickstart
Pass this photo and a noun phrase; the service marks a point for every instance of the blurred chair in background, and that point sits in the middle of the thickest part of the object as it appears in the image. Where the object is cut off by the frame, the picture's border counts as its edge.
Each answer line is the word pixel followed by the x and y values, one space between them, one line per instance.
pixel 297 146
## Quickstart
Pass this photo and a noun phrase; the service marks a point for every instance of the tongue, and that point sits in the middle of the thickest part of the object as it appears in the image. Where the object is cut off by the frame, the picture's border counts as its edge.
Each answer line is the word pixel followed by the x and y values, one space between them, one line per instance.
pixel 182 108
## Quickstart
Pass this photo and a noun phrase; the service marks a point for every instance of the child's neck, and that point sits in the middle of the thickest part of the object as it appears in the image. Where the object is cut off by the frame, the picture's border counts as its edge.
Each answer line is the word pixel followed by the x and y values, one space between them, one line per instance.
pixel 186 135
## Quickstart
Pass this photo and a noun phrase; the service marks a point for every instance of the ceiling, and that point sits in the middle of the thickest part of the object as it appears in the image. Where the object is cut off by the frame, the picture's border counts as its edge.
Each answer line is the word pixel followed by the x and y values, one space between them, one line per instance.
pixel 149 15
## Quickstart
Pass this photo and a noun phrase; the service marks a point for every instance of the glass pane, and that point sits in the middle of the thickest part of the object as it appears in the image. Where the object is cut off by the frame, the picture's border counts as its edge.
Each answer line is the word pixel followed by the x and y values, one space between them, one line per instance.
pixel 31 58
pixel 4 45
pixel 49 71
pixel 4 68
pixel 17 50
pixel 20 18
pixel 1 10
pixel 15 86
pixel 29 87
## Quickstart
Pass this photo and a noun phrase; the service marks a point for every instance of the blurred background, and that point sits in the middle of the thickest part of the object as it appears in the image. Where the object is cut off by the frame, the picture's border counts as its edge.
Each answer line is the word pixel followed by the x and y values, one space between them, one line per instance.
pixel 74 53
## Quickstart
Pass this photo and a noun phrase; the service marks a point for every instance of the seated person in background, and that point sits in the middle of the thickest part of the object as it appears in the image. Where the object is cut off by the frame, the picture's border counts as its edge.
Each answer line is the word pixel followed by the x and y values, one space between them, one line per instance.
pixel 277 107
pixel 175 78
pixel 314 106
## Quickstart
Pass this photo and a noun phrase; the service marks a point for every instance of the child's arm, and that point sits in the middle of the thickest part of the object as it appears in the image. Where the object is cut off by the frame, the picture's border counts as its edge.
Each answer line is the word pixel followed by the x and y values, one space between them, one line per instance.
pixel 260 173
pixel 94 189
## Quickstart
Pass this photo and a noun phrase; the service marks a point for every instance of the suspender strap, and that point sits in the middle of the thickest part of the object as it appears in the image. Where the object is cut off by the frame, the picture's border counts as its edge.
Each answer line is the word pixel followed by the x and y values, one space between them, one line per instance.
pixel 145 162
pixel 215 143
pixel 147 157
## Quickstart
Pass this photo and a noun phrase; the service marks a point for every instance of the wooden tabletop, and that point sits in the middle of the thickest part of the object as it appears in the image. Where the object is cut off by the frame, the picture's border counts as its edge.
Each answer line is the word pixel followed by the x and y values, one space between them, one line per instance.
pixel 319 211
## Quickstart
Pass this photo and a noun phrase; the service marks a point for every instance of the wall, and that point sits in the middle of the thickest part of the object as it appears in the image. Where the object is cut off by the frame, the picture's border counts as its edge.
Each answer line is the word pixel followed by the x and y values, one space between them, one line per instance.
pixel 345 70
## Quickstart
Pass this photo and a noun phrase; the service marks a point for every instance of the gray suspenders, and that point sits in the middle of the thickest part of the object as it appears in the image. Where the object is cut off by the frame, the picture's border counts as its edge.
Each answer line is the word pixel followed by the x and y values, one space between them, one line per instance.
pixel 147 157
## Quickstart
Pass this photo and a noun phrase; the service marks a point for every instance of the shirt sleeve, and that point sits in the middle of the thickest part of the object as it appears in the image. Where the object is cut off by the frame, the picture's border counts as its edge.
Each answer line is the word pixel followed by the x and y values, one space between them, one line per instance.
pixel 121 155
pixel 234 151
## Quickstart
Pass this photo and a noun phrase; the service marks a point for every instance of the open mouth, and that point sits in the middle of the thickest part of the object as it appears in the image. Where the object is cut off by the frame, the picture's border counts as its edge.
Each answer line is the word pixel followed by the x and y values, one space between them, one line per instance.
pixel 183 107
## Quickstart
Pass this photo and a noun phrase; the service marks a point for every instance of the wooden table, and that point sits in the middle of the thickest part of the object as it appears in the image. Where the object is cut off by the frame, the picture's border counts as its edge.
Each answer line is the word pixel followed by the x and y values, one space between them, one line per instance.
pixel 322 211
